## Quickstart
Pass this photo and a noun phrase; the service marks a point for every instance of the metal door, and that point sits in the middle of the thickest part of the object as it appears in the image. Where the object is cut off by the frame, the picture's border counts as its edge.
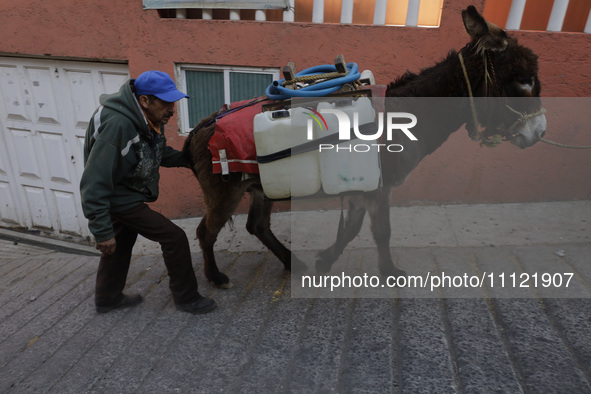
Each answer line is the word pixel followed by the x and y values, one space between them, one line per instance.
pixel 45 106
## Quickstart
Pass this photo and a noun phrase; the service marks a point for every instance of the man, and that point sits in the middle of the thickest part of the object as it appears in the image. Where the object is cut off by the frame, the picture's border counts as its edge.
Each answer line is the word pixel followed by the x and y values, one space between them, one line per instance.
pixel 123 150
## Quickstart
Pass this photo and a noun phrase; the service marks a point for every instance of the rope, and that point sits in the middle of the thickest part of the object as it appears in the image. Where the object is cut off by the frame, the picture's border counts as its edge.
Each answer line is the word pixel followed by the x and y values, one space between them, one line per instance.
pixel 276 91
pixel 525 117
pixel 316 77
pixel 472 105
pixel 564 145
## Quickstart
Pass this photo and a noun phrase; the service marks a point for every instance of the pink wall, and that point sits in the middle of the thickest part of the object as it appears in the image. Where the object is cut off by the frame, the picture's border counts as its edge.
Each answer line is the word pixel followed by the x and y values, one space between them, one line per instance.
pixel 459 172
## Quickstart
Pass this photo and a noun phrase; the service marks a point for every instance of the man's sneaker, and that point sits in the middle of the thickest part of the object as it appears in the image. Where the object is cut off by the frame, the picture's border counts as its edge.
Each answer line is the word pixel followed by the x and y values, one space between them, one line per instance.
pixel 126 301
pixel 202 305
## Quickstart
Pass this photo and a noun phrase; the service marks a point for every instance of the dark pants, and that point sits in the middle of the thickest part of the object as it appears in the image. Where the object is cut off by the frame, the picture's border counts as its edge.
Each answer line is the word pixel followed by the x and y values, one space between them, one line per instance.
pixel 112 270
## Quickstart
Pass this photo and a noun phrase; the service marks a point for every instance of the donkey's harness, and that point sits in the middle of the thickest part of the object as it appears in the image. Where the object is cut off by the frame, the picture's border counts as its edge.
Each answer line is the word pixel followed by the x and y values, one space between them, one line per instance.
pixel 473 130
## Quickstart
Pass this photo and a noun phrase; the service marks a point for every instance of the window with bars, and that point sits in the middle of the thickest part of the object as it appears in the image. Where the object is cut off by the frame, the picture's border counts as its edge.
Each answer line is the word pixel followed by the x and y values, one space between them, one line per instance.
pixel 210 88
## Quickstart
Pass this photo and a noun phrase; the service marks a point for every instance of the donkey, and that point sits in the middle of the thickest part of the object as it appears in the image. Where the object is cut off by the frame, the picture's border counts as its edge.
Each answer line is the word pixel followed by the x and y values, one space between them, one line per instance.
pixel 491 64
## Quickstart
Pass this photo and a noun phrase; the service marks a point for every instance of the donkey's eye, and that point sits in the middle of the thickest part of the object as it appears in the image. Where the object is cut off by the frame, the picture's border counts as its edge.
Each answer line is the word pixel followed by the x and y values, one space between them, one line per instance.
pixel 525 80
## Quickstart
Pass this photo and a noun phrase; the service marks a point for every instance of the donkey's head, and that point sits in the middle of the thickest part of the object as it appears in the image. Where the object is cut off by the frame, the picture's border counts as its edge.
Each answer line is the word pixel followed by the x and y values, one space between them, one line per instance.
pixel 505 72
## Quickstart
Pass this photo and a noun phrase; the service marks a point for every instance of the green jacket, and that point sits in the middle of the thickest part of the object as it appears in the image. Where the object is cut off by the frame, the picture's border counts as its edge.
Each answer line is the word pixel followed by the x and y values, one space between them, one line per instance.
pixel 122 157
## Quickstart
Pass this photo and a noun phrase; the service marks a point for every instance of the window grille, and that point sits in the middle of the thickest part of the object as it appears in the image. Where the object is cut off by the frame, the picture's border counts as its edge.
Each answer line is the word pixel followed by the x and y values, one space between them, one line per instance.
pixel 543 15
pixel 423 13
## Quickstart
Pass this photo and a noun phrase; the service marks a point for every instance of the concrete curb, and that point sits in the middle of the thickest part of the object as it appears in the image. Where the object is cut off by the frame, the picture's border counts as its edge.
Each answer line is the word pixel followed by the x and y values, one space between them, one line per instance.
pixel 48 243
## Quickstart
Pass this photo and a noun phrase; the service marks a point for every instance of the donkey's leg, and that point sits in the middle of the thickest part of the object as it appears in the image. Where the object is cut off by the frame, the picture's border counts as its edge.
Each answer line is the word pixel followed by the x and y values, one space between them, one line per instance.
pixel 219 210
pixel 207 233
pixel 259 224
pixel 349 230
pixel 378 207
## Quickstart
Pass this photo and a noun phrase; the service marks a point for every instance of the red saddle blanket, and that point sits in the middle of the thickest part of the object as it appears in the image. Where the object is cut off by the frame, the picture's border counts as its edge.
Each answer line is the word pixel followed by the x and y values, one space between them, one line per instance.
pixel 232 144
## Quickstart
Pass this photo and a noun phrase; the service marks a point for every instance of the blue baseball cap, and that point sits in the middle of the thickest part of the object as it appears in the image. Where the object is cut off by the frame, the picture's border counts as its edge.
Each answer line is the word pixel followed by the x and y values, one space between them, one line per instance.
pixel 159 84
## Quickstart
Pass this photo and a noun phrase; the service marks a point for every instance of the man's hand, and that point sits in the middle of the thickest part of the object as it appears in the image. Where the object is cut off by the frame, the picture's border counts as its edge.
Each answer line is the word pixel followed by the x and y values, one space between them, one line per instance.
pixel 107 247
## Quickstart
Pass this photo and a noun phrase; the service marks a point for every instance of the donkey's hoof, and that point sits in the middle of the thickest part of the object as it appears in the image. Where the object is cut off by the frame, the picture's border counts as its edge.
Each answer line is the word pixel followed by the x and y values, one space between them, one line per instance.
pixel 392 271
pixel 220 280
pixel 225 286
pixel 323 266
pixel 297 266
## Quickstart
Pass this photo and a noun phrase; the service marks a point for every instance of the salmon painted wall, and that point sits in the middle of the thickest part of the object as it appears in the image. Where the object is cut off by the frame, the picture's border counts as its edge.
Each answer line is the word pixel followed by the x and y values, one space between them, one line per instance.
pixel 459 172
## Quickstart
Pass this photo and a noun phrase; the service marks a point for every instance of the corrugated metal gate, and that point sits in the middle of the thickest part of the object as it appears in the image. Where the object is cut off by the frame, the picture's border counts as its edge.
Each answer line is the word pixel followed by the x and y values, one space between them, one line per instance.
pixel 45 106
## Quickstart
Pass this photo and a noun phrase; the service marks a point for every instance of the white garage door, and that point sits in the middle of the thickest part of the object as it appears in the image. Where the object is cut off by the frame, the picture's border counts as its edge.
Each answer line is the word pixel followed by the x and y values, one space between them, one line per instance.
pixel 45 106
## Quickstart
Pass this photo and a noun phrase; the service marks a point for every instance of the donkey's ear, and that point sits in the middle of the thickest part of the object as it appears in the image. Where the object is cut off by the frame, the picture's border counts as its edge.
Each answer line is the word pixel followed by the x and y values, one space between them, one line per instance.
pixel 475 24
pixel 487 36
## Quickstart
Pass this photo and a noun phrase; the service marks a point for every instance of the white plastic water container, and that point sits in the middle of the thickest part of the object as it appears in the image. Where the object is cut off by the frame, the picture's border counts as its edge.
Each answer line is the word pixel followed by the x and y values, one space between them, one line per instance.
pixel 293 176
pixel 367 78
pixel 351 165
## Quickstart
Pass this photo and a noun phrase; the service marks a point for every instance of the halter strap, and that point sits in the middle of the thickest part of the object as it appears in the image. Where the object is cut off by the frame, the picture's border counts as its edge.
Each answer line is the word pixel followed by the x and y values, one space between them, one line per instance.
pixel 474 134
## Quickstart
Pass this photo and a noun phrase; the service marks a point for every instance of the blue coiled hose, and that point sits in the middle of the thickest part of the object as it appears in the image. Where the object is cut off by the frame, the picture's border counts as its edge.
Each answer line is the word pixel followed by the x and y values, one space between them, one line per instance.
pixel 277 92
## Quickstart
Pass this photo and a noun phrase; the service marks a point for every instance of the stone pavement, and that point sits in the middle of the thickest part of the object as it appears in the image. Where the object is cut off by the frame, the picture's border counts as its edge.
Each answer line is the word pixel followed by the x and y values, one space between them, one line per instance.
pixel 261 340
